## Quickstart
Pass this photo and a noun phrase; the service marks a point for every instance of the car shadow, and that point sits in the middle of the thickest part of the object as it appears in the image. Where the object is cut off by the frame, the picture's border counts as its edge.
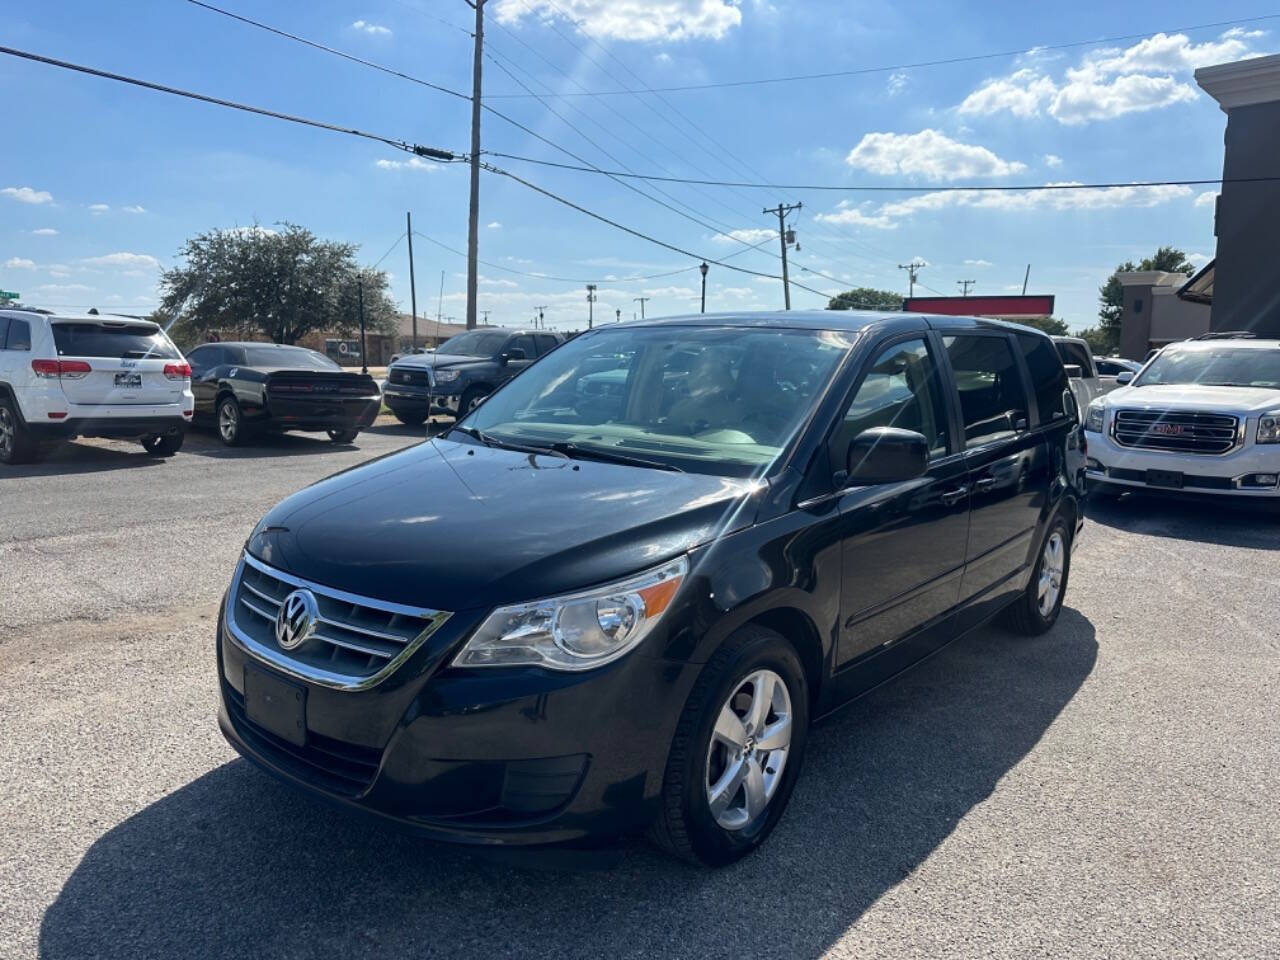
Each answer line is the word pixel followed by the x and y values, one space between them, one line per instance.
pixel 235 864
pixel 395 428
pixel 205 443
pixel 1226 522
pixel 75 457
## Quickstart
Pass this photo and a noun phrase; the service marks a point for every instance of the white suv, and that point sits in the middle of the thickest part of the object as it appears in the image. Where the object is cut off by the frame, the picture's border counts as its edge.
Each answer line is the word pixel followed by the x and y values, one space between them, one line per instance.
pixel 1202 416
pixel 85 375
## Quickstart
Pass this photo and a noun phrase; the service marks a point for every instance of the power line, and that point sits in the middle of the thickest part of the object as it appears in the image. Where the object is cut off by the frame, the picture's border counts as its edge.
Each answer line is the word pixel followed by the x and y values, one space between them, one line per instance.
pixel 442 155
pixel 863 71
pixel 399 240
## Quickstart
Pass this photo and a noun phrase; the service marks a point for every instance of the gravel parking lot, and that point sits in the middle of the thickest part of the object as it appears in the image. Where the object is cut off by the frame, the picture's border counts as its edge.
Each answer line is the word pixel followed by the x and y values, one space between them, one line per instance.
pixel 1106 790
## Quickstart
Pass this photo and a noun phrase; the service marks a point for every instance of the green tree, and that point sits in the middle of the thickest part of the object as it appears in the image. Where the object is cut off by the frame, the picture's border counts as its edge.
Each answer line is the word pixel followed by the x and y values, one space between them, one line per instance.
pixel 1111 293
pixel 867 298
pixel 1050 325
pixel 280 284
pixel 1099 345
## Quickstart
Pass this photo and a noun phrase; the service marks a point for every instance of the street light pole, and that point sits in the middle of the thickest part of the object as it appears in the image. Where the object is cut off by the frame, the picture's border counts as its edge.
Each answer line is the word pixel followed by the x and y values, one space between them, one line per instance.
pixel 704 268
pixel 642 301
pixel 364 348
pixel 413 290
pixel 473 219
pixel 591 300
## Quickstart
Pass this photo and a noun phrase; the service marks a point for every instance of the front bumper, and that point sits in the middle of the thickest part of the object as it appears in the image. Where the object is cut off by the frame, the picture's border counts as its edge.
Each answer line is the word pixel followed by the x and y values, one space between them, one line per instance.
pixel 1228 475
pixel 417 400
pixel 494 756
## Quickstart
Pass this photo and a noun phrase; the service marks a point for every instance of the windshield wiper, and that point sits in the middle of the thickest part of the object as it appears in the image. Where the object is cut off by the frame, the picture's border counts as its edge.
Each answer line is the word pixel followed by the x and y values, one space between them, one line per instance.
pixel 569 449
pixel 504 444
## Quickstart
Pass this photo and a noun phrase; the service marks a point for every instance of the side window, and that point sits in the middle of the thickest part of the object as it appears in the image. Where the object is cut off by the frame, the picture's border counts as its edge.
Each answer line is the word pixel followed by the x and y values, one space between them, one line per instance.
pixel 901 389
pixel 1074 353
pixel 19 335
pixel 546 342
pixel 992 401
pixel 231 355
pixel 523 342
pixel 201 360
pixel 4 331
pixel 1048 379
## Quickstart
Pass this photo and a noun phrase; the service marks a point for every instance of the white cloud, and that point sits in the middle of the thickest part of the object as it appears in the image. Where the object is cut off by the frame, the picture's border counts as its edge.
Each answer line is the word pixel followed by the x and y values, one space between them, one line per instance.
pixel 978 263
pixel 896 83
pixel 497 282
pixel 135 208
pixel 19 263
pixel 1052 160
pixel 60 270
pixel 64 288
pixel 746 235
pixel 636 20
pixel 27 195
pixel 1111 82
pixel 97 209
pixel 413 163
pixel 887 215
pixel 130 261
pixel 1197 260
pixel 44 232
pixel 495 225
pixel 663 58
pixel 1206 199
pixel 364 26
pixel 929 154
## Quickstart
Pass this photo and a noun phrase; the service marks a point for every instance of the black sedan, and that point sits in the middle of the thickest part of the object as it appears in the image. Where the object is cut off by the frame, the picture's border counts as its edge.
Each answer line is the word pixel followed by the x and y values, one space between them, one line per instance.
pixel 258 387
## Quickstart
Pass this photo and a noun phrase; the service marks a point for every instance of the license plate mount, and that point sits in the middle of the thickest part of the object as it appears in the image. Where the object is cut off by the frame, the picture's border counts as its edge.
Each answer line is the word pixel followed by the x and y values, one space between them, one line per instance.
pixel 1165 478
pixel 130 381
pixel 276 705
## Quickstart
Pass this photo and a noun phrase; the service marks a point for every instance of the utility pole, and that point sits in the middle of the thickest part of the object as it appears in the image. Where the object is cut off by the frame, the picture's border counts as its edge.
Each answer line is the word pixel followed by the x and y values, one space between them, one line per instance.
pixel 785 237
pixel 473 219
pixel 617 315
pixel 1025 277
pixel 591 300
pixel 440 305
pixel 364 350
pixel 486 316
pixel 703 268
pixel 965 285
pixel 912 268
pixel 642 301
pixel 542 321
pixel 413 291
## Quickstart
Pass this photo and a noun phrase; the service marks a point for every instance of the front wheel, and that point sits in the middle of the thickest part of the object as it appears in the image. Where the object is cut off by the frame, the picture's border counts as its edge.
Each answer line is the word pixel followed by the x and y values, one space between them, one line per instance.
pixel 343 436
pixel 230 422
pixel 470 400
pixel 1036 611
pixel 163 446
pixel 16 443
pixel 737 750
pixel 410 419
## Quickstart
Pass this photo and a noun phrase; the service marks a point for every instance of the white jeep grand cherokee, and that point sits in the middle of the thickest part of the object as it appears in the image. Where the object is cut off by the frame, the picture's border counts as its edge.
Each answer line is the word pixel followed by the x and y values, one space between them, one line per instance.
pixel 85 375
pixel 1202 416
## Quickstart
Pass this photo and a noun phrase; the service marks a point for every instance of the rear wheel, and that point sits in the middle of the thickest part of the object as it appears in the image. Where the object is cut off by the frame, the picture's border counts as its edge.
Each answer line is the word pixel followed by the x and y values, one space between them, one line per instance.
pixel 163 446
pixel 343 436
pixel 737 750
pixel 1036 611
pixel 410 419
pixel 230 422
pixel 16 443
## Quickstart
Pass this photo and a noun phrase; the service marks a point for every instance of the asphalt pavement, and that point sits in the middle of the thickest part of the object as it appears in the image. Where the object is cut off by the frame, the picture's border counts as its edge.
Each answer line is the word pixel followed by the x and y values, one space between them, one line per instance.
pixel 1109 789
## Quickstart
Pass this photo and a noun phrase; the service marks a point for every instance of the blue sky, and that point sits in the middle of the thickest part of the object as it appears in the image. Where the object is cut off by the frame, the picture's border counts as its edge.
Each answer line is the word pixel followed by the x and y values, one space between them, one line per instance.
pixel 101 183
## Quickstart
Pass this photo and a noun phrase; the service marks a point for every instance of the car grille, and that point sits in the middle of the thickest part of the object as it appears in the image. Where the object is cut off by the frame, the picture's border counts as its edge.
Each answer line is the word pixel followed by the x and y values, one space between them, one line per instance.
pixel 357 641
pixel 417 378
pixel 1180 431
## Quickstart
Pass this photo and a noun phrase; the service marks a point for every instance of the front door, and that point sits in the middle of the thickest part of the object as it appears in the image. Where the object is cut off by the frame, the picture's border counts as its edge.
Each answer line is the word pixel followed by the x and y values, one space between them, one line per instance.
pixel 903 543
pixel 1006 461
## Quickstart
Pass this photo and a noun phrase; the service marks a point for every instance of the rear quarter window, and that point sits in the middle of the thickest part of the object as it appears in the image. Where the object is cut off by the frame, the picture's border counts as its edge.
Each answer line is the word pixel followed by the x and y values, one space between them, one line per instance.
pixel 19 336
pixel 1048 378
pixel 96 340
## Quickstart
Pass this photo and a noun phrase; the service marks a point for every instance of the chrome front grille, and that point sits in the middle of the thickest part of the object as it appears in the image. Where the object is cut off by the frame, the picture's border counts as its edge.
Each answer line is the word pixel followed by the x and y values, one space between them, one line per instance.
pixel 356 641
pixel 1178 431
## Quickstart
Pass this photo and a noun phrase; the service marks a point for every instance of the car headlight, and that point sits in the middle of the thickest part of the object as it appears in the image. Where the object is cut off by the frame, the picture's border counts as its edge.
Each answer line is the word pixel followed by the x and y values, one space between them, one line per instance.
pixel 447 376
pixel 578 631
pixel 1269 427
pixel 1093 418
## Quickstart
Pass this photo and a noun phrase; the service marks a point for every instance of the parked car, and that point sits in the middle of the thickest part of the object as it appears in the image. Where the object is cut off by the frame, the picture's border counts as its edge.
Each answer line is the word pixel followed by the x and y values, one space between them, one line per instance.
pixel 1112 367
pixel 1086 383
pixel 1202 416
pixel 248 388
pixel 66 375
pixel 562 620
pixel 463 371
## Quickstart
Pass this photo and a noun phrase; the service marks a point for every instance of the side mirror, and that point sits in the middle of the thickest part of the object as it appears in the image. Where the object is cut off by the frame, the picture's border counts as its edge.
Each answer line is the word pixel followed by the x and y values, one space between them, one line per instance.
pixel 515 353
pixel 886 455
pixel 1074 371
pixel 1124 378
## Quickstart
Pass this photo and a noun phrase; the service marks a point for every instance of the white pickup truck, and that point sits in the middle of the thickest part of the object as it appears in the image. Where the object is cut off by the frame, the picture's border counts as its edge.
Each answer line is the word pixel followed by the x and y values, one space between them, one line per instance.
pixel 1086 384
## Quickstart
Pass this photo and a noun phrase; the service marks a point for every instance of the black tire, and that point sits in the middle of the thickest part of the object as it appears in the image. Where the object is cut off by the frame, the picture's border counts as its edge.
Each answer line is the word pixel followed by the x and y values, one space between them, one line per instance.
pixel 1025 615
pixel 470 397
pixel 410 419
pixel 165 446
pixel 343 436
pixel 685 826
pixel 16 443
pixel 231 430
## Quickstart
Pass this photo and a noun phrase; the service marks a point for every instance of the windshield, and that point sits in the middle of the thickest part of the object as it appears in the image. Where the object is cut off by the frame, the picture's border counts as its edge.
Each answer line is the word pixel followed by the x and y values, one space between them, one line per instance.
pixel 294 358
pixel 116 342
pixel 721 400
pixel 476 343
pixel 1215 366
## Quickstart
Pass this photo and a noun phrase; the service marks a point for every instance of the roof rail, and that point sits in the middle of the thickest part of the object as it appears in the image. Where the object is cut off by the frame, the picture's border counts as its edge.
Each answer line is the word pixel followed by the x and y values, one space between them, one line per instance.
pixel 1227 335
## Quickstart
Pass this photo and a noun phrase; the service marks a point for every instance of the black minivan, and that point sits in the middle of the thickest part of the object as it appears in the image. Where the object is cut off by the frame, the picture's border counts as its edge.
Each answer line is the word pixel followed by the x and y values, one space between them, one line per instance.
pixel 616 595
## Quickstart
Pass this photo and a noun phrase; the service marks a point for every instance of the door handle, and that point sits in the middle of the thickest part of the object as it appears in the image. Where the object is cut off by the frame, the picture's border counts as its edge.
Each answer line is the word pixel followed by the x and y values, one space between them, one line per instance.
pixel 952 497
pixel 986 483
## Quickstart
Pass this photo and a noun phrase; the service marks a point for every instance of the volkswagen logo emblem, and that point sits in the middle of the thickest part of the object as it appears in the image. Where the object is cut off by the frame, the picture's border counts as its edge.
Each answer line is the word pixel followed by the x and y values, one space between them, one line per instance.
pixel 296 621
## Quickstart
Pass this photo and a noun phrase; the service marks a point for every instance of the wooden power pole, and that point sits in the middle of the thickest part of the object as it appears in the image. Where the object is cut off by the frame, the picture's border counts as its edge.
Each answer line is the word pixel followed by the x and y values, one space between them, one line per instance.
pixel 473 219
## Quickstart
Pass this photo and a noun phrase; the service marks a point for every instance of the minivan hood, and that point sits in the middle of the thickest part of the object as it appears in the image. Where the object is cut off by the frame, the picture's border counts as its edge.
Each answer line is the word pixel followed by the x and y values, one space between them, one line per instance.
pixel 421 360
pixel 455 526
pixel 1192 396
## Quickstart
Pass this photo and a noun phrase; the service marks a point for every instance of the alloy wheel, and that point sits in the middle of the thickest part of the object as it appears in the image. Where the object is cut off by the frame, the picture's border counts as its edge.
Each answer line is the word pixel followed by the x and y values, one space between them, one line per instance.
pixel 748 750
pixel 228 421
pixel 1052 564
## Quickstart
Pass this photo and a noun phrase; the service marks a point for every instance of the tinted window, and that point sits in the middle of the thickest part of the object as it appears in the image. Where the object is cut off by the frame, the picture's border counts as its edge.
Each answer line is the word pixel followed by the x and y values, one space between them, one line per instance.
pixel 1074 353
pixel 474 343
pixel 294 358
pixel 525 343
pixel 203 358
pixel 4 330
pixel 1107 368
pixel 1048 379
pixel 96 340
pixel 19 335
pixel 546 342
pixel 901 389
pixel 991 395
